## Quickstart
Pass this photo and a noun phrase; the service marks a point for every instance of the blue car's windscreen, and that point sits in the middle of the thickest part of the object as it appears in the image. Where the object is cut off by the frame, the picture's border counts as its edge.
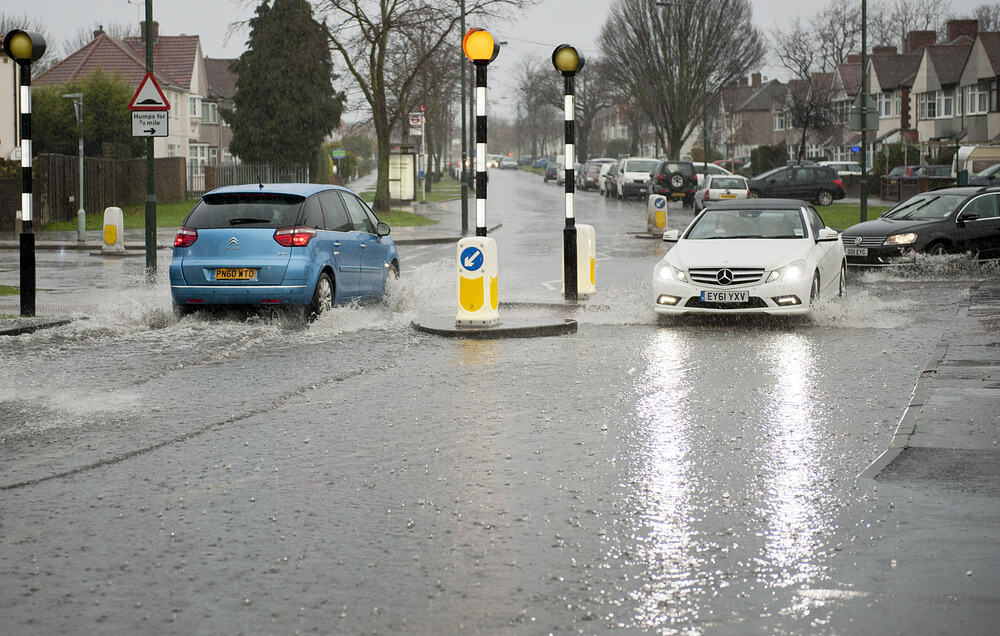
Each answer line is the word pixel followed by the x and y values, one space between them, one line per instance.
pixel 245 209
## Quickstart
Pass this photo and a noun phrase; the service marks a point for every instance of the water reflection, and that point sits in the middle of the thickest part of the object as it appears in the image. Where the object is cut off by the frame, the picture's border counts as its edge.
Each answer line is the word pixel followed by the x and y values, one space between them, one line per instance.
pixel 665 501
pixel 794 470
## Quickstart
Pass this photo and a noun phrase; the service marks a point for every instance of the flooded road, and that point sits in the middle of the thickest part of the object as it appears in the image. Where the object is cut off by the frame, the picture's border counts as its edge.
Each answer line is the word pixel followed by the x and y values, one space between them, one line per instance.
pixel 224 474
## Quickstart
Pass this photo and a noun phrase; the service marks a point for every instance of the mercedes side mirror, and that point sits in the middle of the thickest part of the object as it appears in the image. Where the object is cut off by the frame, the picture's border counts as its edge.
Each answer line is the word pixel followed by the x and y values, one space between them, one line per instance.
pixel 671 236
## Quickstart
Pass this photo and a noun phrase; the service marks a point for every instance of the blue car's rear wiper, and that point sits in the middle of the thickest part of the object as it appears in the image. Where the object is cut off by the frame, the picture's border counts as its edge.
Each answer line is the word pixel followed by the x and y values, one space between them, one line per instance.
pixel 245 220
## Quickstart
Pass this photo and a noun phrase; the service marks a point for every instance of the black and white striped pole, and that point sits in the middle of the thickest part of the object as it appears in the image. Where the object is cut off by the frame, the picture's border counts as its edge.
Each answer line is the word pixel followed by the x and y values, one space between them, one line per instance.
pixel 568 61
pixel 477 255
pixel 24 48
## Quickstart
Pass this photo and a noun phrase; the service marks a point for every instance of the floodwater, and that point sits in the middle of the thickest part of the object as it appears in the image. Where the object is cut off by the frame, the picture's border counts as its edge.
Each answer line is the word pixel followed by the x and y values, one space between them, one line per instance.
pixel 248 474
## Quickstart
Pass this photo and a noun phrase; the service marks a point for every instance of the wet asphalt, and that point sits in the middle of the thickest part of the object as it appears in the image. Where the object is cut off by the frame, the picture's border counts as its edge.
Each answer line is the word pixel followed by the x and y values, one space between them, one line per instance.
pixel 250 475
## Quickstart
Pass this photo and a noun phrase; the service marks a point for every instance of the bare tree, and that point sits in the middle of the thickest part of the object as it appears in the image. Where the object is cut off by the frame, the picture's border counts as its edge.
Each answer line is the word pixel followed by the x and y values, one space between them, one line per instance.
pixel 25 22
pixel 593 93
pixel 890 20
pixel 374 37
pixel 988 16
pixel 536 112
pixel 669 54
pixel 822 42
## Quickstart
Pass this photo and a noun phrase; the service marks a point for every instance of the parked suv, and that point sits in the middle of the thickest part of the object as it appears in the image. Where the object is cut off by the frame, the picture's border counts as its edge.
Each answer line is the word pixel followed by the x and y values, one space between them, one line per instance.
pixel 937 222
pixel 810 183
pixel 674 180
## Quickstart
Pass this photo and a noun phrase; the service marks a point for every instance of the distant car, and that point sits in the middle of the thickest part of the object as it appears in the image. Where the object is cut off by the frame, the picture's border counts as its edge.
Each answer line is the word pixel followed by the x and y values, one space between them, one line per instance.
pixel 299 245
pixel 810 183
pixel 602 177
pixel 773 256
pixel 542 162
pixel 937 222
pixel 699 170
pixel 732 165
pixel 611 180
pixel 553 170
pixel 587 178
pixel 721 188
pixel 904 171
pixel 675 180
pixel 844 168
pixel 508 163
pixel 989 176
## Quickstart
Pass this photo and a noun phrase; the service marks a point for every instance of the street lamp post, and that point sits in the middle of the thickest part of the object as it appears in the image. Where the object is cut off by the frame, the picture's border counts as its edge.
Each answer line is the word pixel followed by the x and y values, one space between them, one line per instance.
pixel 24 48
pixel 704 81
pixel 81 215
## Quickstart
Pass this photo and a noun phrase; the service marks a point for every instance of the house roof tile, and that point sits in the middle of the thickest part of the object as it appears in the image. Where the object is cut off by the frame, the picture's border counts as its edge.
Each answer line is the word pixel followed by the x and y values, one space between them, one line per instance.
pixel 105 54
pixel 895 71
pixel 948 61
pixel 173 55
pixel 221 80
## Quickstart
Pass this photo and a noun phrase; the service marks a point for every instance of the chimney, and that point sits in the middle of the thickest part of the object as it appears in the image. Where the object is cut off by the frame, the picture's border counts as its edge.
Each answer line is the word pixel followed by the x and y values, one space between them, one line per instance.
pixel 755 80
pixel 156 31
pixel 883 50
pixel 917 40
pixel 958 28
pixel 100 30
pixel 854 58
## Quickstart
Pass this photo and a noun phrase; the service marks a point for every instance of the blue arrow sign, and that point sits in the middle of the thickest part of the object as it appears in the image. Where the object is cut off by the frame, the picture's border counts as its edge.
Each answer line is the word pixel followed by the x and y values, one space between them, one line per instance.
pixel 661 202
pixel 472 258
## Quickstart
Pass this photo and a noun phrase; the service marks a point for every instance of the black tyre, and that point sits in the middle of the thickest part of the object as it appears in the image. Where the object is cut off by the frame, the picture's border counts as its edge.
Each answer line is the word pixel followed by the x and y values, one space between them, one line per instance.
pixel 842 287
pixel 937 249
pixel 754 194
pixel 322 297
pixel 824 197
pixel 677 181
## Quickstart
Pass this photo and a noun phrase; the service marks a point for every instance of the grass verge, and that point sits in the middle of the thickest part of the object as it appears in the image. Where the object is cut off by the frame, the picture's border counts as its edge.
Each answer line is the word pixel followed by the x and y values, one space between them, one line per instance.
pixel 168 215
pixel 844 215
pixel 7 290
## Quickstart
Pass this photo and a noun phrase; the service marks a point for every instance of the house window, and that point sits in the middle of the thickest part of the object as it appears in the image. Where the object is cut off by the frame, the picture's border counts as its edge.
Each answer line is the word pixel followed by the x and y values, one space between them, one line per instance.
pixel 210 112
pixel 993 96
pixel 198 153
pixel 780 121
pixel 885 102
pixel 976 97
pixel 194 106
pixel 937 105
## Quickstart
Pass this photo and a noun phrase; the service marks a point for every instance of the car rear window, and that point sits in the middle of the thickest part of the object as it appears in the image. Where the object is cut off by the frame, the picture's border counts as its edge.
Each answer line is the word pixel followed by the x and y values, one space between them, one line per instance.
pixel 640 166
pixel 727 182
pixel 245 209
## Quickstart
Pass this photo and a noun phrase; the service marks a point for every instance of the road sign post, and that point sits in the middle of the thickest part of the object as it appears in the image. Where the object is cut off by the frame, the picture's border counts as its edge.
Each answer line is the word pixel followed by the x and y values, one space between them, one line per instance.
pixel 149 108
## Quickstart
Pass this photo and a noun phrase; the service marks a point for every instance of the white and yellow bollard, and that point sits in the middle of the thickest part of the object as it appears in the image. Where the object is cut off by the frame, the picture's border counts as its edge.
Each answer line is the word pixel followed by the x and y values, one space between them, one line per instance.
pixel 114 231
pixel 586 261
pixel 478 297
pixel 656 214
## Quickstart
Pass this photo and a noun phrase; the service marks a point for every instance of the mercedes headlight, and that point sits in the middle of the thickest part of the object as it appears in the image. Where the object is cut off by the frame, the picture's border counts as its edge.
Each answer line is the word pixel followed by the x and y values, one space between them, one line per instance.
pixel 791 272
pixel 667 272
pixel 906 238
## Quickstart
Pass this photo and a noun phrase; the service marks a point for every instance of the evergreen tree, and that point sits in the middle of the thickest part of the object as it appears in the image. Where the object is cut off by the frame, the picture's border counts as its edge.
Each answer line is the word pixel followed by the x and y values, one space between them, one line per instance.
pixel 285 103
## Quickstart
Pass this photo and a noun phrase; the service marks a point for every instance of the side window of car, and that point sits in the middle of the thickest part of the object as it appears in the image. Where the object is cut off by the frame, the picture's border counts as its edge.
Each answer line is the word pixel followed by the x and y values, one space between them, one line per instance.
pixel 782 176
pixel 985 206
pixel 358 213
pixel 312 214
pixel 335 212
pixel 815 221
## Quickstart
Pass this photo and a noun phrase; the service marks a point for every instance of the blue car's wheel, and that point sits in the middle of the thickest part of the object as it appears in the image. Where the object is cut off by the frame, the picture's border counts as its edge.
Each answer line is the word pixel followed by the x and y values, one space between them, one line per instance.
pixel 322 297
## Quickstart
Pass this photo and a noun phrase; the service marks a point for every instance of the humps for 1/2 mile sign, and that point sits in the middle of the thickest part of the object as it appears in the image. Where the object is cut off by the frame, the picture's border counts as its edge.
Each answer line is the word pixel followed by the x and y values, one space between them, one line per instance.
pixel 149 108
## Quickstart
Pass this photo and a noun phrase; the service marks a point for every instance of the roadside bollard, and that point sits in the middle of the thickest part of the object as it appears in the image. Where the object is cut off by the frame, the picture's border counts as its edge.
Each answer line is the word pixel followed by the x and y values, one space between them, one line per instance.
pixel 656 214
pixel 586 261
pixel 478 297
pixel 114 231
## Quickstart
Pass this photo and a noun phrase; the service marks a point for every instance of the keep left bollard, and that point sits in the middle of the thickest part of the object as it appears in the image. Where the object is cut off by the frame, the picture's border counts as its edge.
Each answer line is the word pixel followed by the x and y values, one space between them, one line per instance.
pixel 478 298
pixel 656 214
pixel 114 231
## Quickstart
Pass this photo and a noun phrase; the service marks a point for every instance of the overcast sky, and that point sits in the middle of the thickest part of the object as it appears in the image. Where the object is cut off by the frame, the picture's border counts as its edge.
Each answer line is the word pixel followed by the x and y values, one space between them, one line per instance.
pixel 536 33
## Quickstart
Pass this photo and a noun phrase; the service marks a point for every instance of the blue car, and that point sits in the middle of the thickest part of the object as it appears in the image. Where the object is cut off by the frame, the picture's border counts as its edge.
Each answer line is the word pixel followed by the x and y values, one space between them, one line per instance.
pixel 302 245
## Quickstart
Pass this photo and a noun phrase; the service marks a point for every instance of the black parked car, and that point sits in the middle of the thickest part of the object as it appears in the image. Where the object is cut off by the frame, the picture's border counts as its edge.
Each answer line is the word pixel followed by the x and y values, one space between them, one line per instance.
pixel 675 180
pixel 809 183
pixel 937 222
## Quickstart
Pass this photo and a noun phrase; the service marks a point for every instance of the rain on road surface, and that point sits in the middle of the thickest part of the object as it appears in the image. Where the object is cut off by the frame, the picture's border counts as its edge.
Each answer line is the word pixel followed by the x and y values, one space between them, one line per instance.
pixel 234 475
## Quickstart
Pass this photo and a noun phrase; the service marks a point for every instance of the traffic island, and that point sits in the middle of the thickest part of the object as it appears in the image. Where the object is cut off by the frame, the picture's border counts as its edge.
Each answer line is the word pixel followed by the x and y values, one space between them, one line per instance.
pixel 506 328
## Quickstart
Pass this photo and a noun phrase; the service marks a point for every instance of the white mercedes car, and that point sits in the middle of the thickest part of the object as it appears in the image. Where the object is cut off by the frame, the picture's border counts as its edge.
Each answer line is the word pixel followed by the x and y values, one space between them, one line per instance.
pixel 772 256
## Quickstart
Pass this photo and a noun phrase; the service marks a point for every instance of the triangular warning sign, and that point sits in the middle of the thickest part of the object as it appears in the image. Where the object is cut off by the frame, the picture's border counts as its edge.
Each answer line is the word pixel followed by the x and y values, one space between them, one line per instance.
pixel 149 96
